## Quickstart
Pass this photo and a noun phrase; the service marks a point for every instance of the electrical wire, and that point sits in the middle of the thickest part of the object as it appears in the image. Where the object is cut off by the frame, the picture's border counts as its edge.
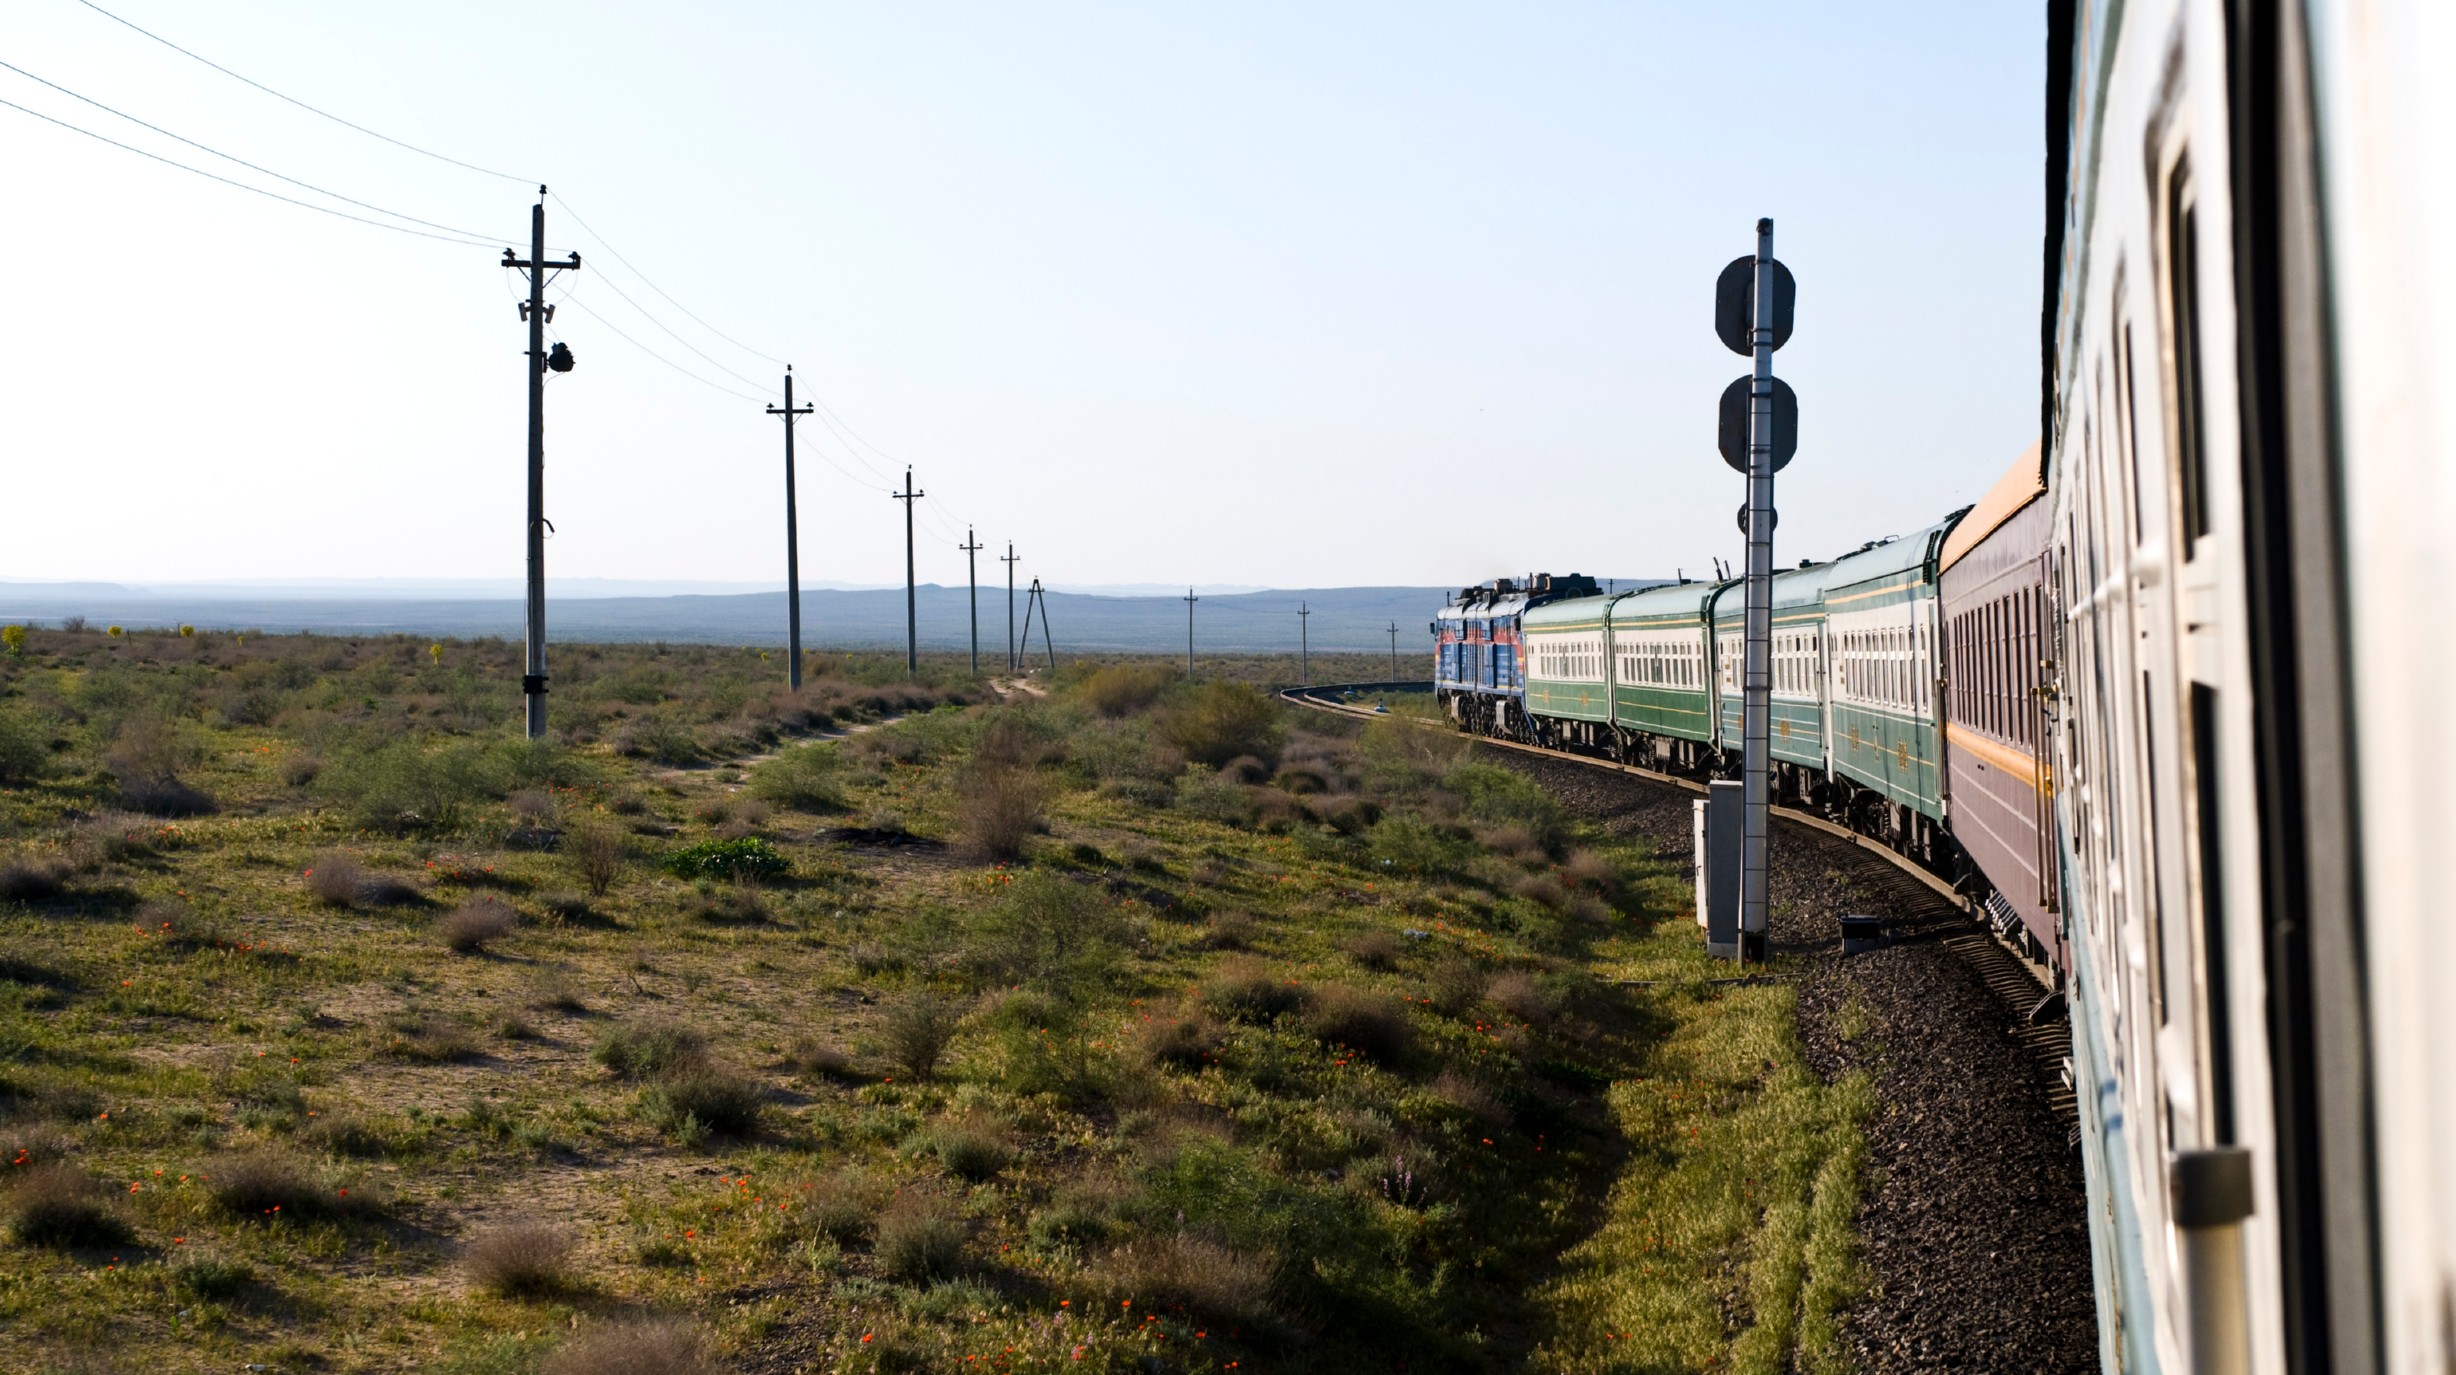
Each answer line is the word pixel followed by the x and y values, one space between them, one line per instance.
pixel 397 143
pixel 226 181
pixel 652 319
pixel 573 300
pixel 226 157
pixel 652 286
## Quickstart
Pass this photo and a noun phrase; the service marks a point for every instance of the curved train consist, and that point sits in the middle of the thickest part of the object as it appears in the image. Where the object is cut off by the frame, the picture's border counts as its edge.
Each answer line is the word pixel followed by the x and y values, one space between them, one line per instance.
pixel 2169 703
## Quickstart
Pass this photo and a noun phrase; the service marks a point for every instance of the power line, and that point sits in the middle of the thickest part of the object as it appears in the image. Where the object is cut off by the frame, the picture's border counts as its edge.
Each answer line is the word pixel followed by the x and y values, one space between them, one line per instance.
pixel 397 143
pixel 227 181
pixel 574 300
pixel 644 314
pixel 652 286
pixel 226 157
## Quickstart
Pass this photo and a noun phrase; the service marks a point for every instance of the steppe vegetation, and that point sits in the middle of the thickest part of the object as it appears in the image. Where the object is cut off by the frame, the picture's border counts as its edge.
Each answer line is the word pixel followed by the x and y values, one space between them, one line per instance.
pixel 1120 1024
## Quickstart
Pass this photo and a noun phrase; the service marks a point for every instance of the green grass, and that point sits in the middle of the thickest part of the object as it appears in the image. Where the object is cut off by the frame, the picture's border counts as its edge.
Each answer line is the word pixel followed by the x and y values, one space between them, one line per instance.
pixel 1037 1112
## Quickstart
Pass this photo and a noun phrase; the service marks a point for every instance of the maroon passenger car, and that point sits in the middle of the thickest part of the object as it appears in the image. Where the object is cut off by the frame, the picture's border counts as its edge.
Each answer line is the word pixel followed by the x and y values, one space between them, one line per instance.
pixel 1998 633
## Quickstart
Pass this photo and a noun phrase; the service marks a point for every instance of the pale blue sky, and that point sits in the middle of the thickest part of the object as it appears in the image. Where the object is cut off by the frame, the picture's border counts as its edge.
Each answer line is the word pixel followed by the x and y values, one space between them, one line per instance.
pixel 1269 294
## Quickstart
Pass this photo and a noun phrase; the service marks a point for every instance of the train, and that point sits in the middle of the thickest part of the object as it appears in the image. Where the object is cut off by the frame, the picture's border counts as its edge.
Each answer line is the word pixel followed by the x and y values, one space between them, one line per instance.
pixel 2167 705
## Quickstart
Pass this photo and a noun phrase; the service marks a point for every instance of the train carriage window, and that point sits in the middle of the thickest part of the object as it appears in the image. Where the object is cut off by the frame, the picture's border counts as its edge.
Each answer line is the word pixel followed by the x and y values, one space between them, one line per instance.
pixel 2183 305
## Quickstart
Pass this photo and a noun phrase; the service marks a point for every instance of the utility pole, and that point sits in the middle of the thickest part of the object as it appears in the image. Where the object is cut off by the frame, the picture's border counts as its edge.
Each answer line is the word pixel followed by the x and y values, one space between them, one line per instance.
pixel 1394 651
pixel 1190 599
pixel 912 618
pixel 1041 597
pixel 972 576
pixel 1304 646
pixel 537 313
pixel 793 550
pixel 1008 558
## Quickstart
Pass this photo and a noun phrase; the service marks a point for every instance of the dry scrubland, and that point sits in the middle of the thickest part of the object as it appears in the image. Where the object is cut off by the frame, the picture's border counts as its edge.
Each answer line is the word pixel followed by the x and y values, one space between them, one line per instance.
pixel 1134 1025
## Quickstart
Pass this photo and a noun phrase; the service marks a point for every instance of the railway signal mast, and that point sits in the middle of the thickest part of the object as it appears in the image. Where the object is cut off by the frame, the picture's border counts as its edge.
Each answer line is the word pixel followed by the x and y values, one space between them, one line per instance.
pixel 541 360
pixel 1758 431
pixel 793 548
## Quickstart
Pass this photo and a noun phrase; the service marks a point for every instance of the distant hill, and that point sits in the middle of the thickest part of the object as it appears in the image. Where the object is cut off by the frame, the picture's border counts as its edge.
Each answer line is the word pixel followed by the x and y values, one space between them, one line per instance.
pixel 1344 618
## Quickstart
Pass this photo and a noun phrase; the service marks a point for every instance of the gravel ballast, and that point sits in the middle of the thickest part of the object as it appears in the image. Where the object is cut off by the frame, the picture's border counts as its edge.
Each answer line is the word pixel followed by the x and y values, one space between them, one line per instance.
pixel 1972 1219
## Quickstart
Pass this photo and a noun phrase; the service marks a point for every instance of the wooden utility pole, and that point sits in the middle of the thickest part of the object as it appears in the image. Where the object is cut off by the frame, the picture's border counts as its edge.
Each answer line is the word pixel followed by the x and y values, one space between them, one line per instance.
pixel 912 619
pixel 1190 599
pixel 537 313
pixel 1394 651
pixel 972 577
pixel 1009 559
pixel 793 553
pixel 1304 646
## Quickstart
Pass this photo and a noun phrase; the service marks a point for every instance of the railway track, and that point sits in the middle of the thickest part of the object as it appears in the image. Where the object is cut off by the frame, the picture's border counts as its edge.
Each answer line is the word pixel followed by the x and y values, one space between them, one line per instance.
pixel 1925 907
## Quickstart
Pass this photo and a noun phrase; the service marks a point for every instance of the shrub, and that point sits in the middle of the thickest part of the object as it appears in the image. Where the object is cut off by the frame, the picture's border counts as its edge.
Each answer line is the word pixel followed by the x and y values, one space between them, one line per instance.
pixel 748 859
pixel 1082 1213
pixel 658 740
pixel 1514 991
pixel 732 905
pixel 1000 809
pixel 111 837
pixel 652 1346
pixel 268 1184
pixel 1220 720
pixel 1116 690
pixel 1050 934
pixel 920 1239
pixel 1180 1269
pixel 1246 990
pixel 61 1206
pixel 844 1205
pixel 428 1040
pixel 807 778
pixel 1495 794
pixel 336 879
pixel 1205 794
pixel 468 928
pixel 643 1050
pixel 918 1031
pixel 408 786
pixel 211 1278
pixel 31 880
pixel 1457 984
pixel 24 755
pixel 1369 1024
pixel 1413 846
pixel 1187 1042
pixel 346 1135
pixel 973 1147
pixel 597 853
pixel 1590 872
pixel 1469 1096
pixel 1228 929
pixel 522 1257
pixel 704 1098
pixel 181 927
pixel 1374 949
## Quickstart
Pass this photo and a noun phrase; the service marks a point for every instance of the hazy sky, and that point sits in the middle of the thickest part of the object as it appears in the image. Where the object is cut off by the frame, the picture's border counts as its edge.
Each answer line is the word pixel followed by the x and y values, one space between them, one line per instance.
pixel 1290 295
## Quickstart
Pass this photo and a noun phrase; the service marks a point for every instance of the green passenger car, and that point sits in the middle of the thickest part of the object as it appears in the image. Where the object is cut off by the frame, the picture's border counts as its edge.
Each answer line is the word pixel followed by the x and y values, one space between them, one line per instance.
pixel 1797 658
pixel 1886 716
pixel 1628 675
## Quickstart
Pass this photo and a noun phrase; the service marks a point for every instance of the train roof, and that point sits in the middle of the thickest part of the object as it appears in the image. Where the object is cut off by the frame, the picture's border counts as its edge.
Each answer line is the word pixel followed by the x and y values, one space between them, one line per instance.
pixel 2023 483
pixel 1680 598
pixel 1900 554
pixel 1793 587
pixel 1570 611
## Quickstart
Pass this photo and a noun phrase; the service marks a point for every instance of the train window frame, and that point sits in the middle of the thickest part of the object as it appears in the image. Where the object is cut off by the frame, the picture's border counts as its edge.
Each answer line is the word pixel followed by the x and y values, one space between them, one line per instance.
pixel 2183 354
